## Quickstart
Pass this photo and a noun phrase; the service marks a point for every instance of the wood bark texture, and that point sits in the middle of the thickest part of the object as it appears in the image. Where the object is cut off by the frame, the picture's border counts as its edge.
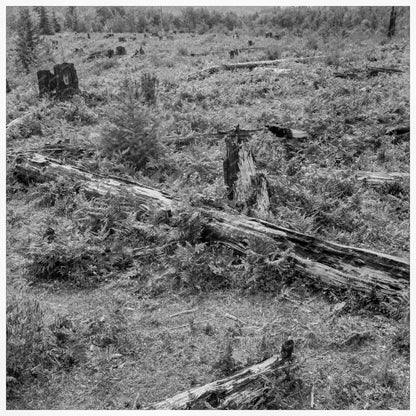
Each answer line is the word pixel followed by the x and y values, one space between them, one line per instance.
pixel 324 263
pixel 238 391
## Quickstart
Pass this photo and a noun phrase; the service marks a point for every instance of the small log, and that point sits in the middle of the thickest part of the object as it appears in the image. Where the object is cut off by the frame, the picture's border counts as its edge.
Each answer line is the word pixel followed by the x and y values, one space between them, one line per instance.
pixel 377 179
pixel 239 391
pixel 399 130
pixel 245 65
pixel 24 126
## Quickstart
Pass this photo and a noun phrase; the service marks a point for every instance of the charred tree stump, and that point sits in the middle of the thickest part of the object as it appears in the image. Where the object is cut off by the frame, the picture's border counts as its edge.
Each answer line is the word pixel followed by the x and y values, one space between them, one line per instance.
pixel 62 83
pixel 110 53
pixel 392 24
pixel 121 50
pixel 66 80
pixel 247 188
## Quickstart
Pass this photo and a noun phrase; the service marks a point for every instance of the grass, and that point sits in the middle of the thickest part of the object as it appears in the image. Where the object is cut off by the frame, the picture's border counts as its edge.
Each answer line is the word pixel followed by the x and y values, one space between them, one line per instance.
pixel 105 313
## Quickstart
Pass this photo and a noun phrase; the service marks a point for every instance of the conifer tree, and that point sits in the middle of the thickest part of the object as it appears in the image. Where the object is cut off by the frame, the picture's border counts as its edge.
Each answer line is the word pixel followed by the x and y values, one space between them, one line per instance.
pixel 44 25
pixel 55 24
pixel 26 41
pixel 71 19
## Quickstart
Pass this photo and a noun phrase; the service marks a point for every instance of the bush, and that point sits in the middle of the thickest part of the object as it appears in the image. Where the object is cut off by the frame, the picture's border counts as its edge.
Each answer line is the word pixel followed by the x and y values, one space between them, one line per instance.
pixel 133 136
pixel 273 52
pixel 34 348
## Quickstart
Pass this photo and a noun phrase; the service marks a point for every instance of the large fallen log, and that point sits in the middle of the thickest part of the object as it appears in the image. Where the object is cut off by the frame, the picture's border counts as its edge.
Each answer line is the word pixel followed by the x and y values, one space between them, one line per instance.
pixel 322 262
pixel 24 126
pixel 239 391
pixel 245 65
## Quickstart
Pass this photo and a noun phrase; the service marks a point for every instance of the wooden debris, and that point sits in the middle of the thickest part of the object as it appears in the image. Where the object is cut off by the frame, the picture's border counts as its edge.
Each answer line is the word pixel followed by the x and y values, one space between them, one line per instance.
pixel 246 65
pixel 370 71
pixel 234 318
pixel 399 130
pixel 183 313
pixel 248 189
pixel 323 263
pixel 377 179
pixel 238 391
pixel 24 126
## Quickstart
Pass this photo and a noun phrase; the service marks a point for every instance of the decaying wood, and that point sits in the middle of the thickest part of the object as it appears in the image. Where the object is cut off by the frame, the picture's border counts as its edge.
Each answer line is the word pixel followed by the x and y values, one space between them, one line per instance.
pixel 38 168
pixel 239 391
pixel 377 179
pixel 24 126
pixel 248 189
pixel 324 263
pixel 245 65
pixel 369 71
pixel 399 130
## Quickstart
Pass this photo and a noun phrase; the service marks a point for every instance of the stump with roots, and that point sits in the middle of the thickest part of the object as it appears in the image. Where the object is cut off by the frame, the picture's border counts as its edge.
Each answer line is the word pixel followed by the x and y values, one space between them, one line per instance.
pixel 248 189
pixel 62 83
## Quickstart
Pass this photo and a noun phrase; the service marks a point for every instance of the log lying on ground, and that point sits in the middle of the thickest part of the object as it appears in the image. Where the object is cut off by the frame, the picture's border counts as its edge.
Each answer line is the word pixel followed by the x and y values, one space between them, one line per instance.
pixel 377 179
pixel 38 168
pixel 370 71
pixel 240 391
pixel 24 126
pixel 324 263
pixel 246 65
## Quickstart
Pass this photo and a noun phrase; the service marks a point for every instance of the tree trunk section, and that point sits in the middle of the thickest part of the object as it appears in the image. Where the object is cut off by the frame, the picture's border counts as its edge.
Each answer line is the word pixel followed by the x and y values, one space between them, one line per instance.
pixel 240 391
pixel 62 83
pixel 392 23
pixel 248 189
pixel 324 263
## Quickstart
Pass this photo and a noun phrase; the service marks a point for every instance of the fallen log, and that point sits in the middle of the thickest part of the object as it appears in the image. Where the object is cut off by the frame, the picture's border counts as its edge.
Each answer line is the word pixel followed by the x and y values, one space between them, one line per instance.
pixel 370 71
pixel 239 391
pixel 38 168
pixel 245 65
pixel 322 262
pixel 25 126
pixel 377 179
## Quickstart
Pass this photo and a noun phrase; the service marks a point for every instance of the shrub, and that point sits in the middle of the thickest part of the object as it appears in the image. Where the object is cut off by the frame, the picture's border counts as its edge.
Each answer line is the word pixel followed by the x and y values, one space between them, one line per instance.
pixel 273 52
pixel 34 347
pixel 133 136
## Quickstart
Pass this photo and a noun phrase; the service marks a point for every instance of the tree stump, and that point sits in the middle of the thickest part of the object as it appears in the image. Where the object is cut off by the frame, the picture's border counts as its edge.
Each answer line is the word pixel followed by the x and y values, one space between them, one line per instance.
pixel 110 53
pixel 8 89
pixel 141 50
pixel 121 50
pixel 248 189
pixel 62 83
pixel 121 39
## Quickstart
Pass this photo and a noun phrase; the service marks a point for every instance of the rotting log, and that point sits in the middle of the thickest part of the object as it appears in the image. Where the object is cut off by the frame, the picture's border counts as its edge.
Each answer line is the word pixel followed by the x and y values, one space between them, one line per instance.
pixel 239 391
pixel 377 179
pixel 38 168
pixel 370 71
pixel 24 126
pixel 325 263
pixel 246 65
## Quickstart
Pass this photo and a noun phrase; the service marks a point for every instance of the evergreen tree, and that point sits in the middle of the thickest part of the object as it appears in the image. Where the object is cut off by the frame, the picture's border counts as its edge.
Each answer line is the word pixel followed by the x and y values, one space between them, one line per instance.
pixel 55 23
pixel 44 25
pixel 26 41
pixel 71 19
